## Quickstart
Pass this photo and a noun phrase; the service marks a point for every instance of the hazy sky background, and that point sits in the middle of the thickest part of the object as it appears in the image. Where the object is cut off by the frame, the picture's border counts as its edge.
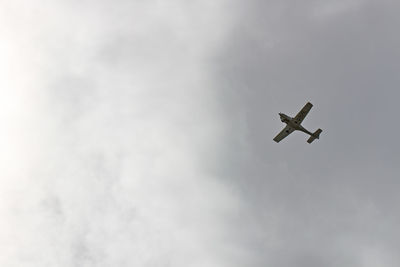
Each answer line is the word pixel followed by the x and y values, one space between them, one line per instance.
pixel 139 133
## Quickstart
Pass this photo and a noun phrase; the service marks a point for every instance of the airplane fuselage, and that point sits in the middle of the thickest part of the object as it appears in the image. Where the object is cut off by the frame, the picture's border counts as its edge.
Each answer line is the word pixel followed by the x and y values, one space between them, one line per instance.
pixel 291 122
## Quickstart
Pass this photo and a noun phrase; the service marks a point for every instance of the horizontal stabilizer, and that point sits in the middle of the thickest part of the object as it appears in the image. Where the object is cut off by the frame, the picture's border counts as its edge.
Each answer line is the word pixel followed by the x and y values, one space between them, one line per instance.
pixel 314 136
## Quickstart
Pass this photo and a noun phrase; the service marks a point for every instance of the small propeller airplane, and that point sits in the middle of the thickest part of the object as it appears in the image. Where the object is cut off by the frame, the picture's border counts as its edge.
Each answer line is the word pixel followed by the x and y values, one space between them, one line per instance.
pixel 293 124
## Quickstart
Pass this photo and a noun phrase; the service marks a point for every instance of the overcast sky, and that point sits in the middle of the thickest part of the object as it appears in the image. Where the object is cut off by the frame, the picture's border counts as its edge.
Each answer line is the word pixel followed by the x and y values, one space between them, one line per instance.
pixel 139 133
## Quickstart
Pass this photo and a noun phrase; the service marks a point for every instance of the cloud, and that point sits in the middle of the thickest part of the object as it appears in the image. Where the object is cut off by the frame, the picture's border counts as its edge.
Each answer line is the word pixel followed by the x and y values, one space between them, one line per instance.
pixel 121 129
pixel 321 204
pixel 140 133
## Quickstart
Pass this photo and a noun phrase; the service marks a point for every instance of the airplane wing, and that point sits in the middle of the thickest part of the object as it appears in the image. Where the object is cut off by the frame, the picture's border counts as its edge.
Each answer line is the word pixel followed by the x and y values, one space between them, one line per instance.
pixel 285 132
pixel 303 113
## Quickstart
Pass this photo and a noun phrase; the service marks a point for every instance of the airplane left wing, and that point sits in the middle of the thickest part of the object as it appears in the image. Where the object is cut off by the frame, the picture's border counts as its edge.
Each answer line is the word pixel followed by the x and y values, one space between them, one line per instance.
pixel 285 132
pixel 303 113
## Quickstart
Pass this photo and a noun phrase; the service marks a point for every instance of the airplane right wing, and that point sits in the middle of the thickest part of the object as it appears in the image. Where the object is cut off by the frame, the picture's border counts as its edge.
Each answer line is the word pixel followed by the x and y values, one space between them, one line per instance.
pixel 303 113
pixel 285 132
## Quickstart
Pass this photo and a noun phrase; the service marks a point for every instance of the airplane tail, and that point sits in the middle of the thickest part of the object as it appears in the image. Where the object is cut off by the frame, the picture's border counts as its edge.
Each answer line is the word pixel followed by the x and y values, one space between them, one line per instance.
pixel 314 136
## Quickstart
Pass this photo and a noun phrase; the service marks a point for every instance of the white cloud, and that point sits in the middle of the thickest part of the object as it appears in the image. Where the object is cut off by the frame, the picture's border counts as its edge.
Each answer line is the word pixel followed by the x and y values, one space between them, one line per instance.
pixel 111 124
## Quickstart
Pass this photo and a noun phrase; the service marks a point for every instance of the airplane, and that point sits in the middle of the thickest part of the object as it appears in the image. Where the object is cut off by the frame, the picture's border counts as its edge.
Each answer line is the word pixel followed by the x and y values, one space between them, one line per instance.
pixel 293 124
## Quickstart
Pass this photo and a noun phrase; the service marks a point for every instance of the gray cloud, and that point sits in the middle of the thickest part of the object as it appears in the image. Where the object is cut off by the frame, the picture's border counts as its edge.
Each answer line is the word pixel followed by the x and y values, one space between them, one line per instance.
pixel 331 203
